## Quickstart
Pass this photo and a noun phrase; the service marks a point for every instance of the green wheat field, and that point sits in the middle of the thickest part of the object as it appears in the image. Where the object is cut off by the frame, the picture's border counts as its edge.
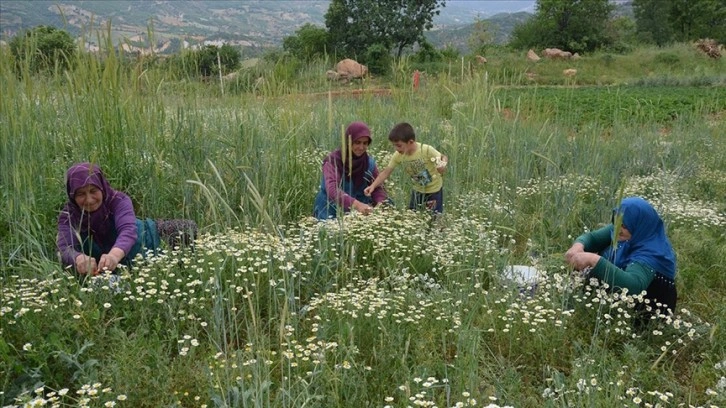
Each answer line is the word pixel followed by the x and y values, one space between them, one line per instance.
pixel 274 309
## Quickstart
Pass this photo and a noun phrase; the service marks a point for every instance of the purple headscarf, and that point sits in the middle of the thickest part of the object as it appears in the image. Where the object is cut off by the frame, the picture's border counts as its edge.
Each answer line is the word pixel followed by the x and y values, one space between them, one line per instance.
pixel 113 224
pixel 357 170
pixel 80 175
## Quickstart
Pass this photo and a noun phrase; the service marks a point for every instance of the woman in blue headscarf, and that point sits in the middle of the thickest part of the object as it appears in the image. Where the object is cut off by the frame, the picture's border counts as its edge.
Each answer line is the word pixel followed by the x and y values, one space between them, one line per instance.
pixel 643 259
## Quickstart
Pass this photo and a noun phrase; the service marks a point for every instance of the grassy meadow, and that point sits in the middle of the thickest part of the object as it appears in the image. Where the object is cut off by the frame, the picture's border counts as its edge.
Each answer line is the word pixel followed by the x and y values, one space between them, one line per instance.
pixel 274 309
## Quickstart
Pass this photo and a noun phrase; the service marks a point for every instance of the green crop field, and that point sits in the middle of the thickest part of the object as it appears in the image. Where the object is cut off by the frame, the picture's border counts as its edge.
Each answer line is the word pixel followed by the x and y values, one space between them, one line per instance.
pixel 274 309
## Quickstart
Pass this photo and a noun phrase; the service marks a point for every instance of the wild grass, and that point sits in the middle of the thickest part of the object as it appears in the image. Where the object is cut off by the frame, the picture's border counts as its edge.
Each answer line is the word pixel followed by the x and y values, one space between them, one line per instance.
pixel 272 308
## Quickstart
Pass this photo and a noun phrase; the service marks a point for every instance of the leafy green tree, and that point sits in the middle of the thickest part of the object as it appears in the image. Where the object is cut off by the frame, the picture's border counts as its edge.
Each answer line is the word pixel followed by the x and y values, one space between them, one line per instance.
pixel 450 53
pixel 662 22
pixel 651 20
pixel 308 43
pixel 203 62
pixel 572 25
pixel 208 64
pixel 379 59
pixel 481 37
pixel 43 48
pixel 714 21
pixel 528 35
pixel 356 25
pixel 427 53
pixel 621 31
pixel 694 19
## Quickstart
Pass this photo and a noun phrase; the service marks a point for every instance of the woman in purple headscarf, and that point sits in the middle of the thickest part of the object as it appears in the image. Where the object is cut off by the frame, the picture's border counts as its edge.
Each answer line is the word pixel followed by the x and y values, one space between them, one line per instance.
pixel 97 228
pixel 643 259
pixel 346 173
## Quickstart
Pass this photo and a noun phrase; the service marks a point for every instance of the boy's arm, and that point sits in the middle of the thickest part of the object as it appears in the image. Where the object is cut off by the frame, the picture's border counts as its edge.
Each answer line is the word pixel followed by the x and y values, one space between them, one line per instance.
pixel 378 181
pixel 440 160
pixel 379 194
pixel 441 164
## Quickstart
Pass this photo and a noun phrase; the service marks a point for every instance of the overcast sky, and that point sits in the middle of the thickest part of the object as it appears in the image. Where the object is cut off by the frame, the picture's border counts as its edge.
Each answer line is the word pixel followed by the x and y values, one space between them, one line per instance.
pixel 494 6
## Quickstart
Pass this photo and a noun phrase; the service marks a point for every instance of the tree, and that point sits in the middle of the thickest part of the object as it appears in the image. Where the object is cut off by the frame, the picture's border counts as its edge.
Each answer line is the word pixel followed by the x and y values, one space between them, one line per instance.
pixel 712 20
pixel 651 21
pixel 528 35
pixel 356 25
pixel 204 61
pixel 208 63
pixel 662 22
pixel 308 43
pixel 694 19
pixel 481 37
pixel 427 53
pixel 621 31
pixel 379 59
pixel 43 48
pixel 572 25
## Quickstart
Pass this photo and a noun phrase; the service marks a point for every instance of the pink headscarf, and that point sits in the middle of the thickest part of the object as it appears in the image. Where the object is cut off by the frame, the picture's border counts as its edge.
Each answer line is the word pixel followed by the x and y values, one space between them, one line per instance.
pixel 356 172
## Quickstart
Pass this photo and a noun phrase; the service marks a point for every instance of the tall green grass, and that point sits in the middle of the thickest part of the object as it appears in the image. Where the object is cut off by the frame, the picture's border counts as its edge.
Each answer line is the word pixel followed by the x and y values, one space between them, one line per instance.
pixel 274 309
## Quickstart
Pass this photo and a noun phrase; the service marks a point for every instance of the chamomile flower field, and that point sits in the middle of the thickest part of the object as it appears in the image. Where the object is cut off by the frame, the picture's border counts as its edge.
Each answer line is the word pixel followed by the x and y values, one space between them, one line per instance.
pixel 272 308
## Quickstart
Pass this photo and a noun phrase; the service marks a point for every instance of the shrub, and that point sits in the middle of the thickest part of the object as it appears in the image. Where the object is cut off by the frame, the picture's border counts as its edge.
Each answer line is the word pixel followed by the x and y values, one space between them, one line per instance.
pixel 275 55
pixel 204 62
pixel 308 43
pixel 285 70
pixel 378 59
pixel 43 48
pixel 427 53
pixel 607 59
pixel 667 58
pixel 450 53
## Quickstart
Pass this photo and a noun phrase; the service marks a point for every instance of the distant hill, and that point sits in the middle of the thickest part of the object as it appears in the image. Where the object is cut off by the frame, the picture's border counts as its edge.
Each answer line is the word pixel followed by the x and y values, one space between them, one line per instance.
pixel 251 24
pixel 501 26
pixel 459 13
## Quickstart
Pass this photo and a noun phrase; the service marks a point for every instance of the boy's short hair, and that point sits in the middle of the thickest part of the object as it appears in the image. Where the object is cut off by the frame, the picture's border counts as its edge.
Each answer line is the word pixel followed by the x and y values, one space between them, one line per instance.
pixel 402 132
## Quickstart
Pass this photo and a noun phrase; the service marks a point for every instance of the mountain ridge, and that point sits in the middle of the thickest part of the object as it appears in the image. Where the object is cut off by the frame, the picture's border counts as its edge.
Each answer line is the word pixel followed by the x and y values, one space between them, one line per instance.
pixel 166 26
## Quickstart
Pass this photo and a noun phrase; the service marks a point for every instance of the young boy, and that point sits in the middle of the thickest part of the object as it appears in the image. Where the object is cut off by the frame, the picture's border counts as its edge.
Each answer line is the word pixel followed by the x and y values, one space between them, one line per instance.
pixel 422 163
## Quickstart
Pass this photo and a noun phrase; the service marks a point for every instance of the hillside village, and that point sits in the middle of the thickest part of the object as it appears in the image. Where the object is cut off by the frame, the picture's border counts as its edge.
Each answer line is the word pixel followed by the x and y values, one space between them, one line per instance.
pixel 252 26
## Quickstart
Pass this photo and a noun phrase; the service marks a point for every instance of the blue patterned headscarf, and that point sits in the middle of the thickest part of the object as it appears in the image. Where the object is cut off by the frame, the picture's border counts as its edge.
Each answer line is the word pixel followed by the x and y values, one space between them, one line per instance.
pixel 648 244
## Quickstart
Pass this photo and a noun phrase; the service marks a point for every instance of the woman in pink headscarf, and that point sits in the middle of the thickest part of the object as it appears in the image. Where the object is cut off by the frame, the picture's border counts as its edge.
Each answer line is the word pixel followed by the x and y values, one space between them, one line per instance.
pixel 346 173
pixel 97 228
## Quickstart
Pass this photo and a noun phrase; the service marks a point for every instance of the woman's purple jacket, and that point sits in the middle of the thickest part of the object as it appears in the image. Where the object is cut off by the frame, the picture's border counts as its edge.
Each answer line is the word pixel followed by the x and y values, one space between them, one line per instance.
pixel 112 225
pixel 333 179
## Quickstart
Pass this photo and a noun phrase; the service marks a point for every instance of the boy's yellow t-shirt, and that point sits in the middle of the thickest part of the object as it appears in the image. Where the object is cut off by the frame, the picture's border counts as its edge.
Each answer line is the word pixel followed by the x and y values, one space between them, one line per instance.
pixel 421 167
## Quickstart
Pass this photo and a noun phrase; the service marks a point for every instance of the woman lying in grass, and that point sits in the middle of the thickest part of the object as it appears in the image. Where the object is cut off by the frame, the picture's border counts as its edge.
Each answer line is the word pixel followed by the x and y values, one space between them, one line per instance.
pixel 98 230
pixel 643 259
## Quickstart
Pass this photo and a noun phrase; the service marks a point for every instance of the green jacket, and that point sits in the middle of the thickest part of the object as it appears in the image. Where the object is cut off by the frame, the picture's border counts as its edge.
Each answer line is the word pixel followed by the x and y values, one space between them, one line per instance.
pixel 636 277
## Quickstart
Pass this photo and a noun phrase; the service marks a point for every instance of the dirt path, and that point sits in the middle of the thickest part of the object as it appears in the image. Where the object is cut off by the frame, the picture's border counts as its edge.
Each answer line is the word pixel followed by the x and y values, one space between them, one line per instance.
pixel 353 93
